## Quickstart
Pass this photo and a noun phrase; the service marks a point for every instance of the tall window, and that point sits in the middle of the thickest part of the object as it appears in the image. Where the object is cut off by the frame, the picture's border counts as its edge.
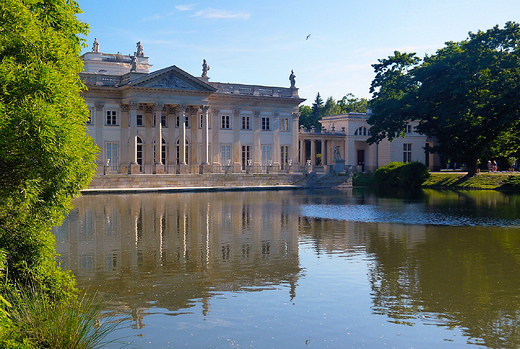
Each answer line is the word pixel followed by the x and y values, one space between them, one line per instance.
pixel 408 129
pixel 90 120
pixel 111 117
pixel 140 153
pixel 186 154
pixel 111 154
pixel 163 121
pixel 285 124
pixel 246 122
pixel 407 152
pixel 266 155
pixel 186 121
pixel 265 124
pixel 225 153
pixel 284 156
pixel 246 155
pixel 225 122
pixel 139 120
pixel 163 151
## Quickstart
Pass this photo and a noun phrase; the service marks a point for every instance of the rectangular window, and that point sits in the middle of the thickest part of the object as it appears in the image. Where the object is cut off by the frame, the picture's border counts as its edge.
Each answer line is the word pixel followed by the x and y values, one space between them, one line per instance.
pixel 90 120
pixel 186 121
pixel 225 122
pixel 407 152
pixel 111 155
pixel 246 122
pixel 163 121
pixel 285 124
pixel 246 156
pixel 284 156
pixel 201 121
pixel 111 117
pixel 225 154
pixel 265 124
pixel 266 155
pixel 408 128
pixel 139 120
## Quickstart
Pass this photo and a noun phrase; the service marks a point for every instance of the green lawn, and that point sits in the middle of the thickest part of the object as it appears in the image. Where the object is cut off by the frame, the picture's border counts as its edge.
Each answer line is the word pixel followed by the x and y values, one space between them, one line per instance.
pixel 481 181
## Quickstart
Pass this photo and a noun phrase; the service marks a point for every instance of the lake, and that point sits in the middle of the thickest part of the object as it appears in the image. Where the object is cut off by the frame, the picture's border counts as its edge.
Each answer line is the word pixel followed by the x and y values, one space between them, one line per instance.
pixel 302 268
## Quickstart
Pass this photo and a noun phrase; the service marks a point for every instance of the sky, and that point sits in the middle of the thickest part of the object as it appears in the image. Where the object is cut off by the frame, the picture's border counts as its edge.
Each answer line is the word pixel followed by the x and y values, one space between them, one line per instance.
pixel 260 42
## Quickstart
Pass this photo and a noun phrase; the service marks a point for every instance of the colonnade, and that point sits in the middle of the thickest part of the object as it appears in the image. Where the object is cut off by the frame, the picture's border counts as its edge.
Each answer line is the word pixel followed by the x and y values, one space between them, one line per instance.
pixel 331 147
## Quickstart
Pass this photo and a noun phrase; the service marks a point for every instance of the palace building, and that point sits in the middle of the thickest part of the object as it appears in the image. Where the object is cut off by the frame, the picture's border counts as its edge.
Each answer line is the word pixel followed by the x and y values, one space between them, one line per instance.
pixel 361 156
pixel 169 121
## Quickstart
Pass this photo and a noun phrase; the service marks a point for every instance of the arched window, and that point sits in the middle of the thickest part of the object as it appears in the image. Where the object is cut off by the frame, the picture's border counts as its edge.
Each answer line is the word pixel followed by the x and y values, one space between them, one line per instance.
pixel 362 131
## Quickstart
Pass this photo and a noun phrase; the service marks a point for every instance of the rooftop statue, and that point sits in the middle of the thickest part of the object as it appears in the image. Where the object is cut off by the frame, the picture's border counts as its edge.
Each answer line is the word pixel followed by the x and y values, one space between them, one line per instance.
pixel 134 64
pixel 292 78
pixel 205 68
pixel 95 46
pixel 140 52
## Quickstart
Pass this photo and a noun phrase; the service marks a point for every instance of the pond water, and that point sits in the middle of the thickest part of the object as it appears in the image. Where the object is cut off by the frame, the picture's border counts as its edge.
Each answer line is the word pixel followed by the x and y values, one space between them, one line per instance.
pixel 298 269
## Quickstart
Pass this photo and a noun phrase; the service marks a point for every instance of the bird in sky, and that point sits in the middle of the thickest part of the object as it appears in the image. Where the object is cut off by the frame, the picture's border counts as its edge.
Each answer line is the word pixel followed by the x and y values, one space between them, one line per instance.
pixel 308 36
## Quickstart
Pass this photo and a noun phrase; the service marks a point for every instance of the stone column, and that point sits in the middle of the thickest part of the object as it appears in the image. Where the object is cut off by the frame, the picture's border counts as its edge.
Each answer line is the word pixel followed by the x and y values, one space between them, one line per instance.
pixel 257 149
pixel 216 142
pixel 133 167
pixel 100 123
pixel 237 146
pixel 302 152
pixel 159 166
pixel 295 134
pixel 275 155
pixel 183 167
pixel 313 152
pixel 204 161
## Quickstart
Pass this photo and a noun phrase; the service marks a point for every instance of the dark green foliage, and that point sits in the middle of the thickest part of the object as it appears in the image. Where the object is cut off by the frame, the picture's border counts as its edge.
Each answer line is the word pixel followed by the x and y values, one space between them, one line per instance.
pixel 46 157
pixel 362 179
pixel 400 175
pixel 465 96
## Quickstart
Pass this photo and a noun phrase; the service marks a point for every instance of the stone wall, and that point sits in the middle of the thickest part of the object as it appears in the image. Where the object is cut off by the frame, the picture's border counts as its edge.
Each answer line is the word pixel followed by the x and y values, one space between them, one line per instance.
pixel 121 181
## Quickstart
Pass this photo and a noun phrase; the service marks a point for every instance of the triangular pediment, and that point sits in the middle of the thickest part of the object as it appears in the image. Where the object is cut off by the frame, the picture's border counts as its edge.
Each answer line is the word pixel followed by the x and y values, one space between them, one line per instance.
pixel 172 78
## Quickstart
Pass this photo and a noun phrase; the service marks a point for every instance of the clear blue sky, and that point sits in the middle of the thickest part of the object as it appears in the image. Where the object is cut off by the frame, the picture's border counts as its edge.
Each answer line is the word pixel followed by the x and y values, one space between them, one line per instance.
pixel 259 42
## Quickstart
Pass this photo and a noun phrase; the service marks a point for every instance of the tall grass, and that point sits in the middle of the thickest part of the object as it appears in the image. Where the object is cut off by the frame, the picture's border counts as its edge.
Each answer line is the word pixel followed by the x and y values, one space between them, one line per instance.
pixel 79 323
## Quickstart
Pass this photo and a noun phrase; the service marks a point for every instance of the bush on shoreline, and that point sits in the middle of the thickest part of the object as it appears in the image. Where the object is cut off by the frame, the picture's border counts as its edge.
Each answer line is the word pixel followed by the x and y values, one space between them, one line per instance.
pixel 399 175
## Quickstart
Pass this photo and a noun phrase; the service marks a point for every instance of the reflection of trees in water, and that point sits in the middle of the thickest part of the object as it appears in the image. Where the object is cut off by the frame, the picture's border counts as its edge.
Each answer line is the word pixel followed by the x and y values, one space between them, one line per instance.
pixel 176 251
pixel 456 277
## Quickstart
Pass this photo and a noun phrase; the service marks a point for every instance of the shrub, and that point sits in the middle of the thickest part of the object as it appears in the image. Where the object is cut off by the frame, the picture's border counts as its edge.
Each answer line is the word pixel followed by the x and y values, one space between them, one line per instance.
pixel 400 175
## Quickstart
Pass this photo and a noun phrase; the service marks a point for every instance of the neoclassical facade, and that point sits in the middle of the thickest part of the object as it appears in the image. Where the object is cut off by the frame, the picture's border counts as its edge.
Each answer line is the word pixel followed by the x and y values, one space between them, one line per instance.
pixel 170 121
pixel 360 156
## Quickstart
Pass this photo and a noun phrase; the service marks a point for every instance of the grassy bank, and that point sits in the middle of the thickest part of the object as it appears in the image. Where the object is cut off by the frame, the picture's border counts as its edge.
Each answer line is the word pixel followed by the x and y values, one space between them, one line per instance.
pixel 490 181
pixel 494 181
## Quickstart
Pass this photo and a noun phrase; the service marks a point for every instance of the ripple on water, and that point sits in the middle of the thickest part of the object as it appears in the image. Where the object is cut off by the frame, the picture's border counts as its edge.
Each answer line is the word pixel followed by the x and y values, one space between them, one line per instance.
pixel 408 214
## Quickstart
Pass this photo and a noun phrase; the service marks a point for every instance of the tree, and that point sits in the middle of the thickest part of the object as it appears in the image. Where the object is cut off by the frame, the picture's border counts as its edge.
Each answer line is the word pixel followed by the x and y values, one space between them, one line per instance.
pixel 46 157
pixel 305 116
pixel 350 104
pixel 465 96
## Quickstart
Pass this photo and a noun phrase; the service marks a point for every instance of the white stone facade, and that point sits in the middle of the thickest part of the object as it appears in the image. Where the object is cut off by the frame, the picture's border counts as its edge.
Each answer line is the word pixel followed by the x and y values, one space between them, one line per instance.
pixel 200 126
pixel 361 156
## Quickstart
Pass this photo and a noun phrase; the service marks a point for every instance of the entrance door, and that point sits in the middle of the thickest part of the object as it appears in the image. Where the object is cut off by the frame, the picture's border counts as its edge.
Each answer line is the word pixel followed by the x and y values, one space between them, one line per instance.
pixel 361 159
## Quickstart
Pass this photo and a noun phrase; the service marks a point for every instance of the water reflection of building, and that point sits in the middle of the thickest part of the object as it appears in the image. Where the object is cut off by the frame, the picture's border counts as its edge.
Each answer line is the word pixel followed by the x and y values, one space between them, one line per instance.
pixel 177 250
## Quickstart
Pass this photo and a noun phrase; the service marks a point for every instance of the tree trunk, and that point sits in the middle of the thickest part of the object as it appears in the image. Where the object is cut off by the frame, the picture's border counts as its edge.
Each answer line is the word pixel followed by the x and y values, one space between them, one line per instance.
pixel 472 167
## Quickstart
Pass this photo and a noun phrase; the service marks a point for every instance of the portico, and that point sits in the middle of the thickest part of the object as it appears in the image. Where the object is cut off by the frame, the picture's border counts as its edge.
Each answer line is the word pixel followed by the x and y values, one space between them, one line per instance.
pixel 170 122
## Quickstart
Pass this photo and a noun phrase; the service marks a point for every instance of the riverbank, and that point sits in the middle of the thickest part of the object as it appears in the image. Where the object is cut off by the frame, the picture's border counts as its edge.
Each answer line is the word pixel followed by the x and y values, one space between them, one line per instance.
pixel 487 180
pixel 459 180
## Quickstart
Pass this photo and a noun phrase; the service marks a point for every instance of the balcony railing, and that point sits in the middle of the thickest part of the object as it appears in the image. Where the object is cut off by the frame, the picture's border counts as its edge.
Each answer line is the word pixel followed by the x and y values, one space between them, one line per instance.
pixel 255 90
